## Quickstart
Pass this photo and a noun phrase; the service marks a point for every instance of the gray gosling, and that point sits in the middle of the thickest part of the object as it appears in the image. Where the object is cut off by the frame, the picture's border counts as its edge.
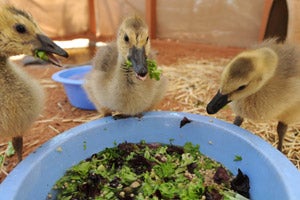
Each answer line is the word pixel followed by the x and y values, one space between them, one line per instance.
pixel 21 97
pixel 114 87
pixel 262 84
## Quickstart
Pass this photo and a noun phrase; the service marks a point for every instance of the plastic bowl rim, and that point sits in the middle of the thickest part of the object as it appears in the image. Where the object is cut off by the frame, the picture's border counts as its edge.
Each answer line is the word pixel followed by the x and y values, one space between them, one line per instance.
pixel 58 78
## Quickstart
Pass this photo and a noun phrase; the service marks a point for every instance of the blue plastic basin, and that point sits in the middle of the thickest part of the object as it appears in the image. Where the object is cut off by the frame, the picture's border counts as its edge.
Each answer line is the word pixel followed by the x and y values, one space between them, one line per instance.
pixel 72 80
pixel 272 176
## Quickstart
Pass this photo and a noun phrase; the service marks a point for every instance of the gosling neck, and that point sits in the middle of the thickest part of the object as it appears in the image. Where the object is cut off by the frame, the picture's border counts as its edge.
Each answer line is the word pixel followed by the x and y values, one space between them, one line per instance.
pixel 5 69
pixel 3 60
pixel 121 60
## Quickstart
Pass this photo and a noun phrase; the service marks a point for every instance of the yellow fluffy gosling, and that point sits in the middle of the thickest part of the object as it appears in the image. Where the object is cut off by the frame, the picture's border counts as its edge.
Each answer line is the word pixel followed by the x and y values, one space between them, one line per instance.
pixel 21 97
pixel 263 84
pixel 112 86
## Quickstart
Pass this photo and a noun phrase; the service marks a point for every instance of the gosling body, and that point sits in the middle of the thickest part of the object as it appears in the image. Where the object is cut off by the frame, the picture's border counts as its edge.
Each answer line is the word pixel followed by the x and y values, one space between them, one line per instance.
pixel 262 84
pixel 112 85
pixel 22 101
pixel 21 96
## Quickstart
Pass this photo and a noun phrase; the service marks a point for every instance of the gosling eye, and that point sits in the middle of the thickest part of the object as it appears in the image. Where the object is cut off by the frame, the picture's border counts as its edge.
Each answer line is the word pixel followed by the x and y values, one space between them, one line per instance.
pixel 241 87
pixel 126 38
pixel 20 28
pixel 147 39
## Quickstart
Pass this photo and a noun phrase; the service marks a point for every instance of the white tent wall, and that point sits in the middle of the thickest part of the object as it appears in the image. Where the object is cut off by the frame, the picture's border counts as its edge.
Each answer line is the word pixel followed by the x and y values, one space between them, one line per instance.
pixel 58 18
pixel 221 22
pixel 110 13
pixel 294 21
pixel 216 22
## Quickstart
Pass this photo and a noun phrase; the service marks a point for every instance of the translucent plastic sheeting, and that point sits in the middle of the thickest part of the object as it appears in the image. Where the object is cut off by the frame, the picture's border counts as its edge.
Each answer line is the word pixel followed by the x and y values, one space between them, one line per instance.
pixel 57 18
pixel 221 22
pixel 218 22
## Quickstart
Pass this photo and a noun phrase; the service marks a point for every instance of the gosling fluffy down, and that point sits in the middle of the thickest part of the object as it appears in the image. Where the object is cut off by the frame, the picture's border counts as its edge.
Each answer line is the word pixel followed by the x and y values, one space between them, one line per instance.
pixel 112 86
pixel 21 97
pixel 262 84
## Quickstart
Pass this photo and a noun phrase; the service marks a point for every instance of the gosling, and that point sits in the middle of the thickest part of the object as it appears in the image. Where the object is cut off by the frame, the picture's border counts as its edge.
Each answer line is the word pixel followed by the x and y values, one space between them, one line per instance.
pixel 21 97
pixel 114 87
pixel 263 84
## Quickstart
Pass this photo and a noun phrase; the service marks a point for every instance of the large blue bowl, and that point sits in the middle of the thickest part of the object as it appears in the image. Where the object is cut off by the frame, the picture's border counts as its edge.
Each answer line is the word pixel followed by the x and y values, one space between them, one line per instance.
pixel 72 80
pixel 272 176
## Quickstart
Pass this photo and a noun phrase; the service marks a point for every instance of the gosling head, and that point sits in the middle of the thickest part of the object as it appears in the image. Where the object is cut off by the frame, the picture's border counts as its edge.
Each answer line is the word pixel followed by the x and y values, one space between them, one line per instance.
pixel 134 45
pixel 244 76
pixel 21 35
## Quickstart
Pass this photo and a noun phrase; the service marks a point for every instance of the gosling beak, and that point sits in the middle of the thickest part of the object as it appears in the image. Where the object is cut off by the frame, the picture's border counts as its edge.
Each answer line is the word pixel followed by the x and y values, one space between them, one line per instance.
pixel 50 48
pixel 137 57
pixel 217 102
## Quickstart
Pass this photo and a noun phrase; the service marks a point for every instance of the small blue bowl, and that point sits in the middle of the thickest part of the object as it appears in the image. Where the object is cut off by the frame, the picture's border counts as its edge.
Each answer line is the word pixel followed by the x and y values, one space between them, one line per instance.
pixel 272 176
pixel 72 80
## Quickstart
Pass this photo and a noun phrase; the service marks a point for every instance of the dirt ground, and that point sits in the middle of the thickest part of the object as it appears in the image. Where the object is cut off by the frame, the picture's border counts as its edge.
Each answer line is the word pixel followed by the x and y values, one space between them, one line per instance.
pixel 59 115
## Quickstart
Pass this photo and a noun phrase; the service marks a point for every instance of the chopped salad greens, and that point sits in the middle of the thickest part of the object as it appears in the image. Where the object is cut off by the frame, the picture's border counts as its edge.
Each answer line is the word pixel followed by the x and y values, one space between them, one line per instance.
pixel 154 73
pixel 42 55
pixel 238 158
pixel 10 151
pixel 148 171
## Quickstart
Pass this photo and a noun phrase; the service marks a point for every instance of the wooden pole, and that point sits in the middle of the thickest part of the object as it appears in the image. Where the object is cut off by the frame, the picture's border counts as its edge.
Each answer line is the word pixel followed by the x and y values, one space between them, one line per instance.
pixel 151 17
pixel 92 19
pixel 265 19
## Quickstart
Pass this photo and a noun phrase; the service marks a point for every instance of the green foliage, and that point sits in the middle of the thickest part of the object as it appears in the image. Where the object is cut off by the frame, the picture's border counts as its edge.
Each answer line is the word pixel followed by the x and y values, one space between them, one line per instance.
pixel 126 175
pixel 230 195
pixel 154 72
pixel 168 190
pixel 238 158
pixel 113 171
pixel 84 145
pixel 128 64
pixel 9 151
pixel 190 148
pixel 42 55
pixel 164 170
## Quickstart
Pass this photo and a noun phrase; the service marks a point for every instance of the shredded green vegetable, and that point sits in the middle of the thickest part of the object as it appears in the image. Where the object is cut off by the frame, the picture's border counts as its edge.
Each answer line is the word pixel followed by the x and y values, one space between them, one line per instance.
pixel 154 72
pixel 238 158
pixel 10 151
pixel 42 55
pixel 145 171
